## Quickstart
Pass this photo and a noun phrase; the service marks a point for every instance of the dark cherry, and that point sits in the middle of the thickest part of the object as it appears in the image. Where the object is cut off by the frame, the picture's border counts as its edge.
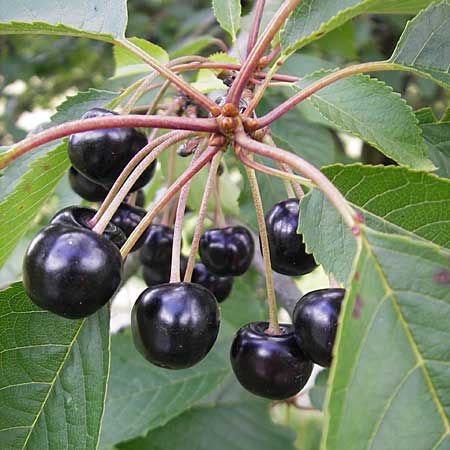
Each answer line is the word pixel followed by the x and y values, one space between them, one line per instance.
pixel 219 286
pixel 160 274
pixel 101 155
pixel 78 216
pixel 315 321
pixel 269 366
pixel 71 271
pixel 140 199
pixel 127 218
pixel 86 188
pixel 227 251
pixel 157 248
pixel 287 250
pixel 175 325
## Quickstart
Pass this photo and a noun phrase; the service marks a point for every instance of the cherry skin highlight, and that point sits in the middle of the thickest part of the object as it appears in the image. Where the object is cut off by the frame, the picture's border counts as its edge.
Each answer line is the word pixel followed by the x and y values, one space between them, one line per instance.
pixel 175 325
pixel 227 251
pixel 287 251
pixel 315 321
pixel 71 271
pixel 269 366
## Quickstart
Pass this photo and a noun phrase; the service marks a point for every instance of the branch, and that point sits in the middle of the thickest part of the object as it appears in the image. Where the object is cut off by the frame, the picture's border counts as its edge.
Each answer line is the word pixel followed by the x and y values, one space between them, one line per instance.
pixel 256 24
pixel 258 50
pixel 130 121
pixel 320 84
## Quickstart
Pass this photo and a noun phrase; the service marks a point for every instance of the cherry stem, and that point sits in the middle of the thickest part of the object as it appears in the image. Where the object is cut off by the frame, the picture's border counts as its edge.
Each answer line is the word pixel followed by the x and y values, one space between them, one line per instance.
pixel 255 25
pixel 139 92
pixel 219 217
pixel 158 97
pixel 267 139
pixel 273 172
pixel 167 73
pixel 206 156
pixel 175 268
pixel 170 172
pixel 96 123
pixel 209 185
pixel 320 84
pixel 274 328
pixel 229 66
pixel 130 175
pixel 258 50
pixel 306 169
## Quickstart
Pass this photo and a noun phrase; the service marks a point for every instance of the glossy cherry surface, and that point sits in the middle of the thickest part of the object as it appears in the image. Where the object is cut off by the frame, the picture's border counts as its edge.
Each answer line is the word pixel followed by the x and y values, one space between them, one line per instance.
pixel 287 251
pixel 78 216
pixel 315 321
pixel 175 325
pixel 219 286
pixel 86 188
pixel 227 251
pixel 71 271
pixel 269 366
pixel 157 248
pixel 127 218
pixel 101 155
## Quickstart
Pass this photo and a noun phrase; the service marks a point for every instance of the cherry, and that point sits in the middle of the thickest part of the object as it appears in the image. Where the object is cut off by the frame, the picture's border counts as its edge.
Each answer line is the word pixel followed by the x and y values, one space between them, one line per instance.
pixel 315 321
pixel 71 271
pixel 127 218
pixel 175 325
pixel 101 155
pixel 140 198
pixel 219 286
pixel 287 251
pixel 227 251
pixel 157 248
pixel 86 188
pixel 159 274
pixel 267 365
pixel 79 217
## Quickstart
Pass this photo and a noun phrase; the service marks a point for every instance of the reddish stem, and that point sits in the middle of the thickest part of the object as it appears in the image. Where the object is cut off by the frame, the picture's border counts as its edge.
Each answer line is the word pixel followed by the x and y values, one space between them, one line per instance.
pixel 206 156
pixel 256 24
pixel 130 121
pixel 258 50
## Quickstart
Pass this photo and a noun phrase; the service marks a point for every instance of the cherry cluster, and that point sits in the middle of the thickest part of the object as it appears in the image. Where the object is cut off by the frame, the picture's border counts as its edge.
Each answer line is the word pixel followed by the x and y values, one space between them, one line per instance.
pixel 71 270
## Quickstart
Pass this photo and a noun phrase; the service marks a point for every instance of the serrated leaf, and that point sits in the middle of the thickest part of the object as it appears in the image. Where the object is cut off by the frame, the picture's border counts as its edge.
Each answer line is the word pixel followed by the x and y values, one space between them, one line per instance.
pixel 370 110
pixel 391 199
pixel 95 19
pixel 437 137
pixel 424 46
pixel 314 18
pixel 128 63
pixel 228 14
pixel 395 325
pixel 54 373
pixel 230 419
pixel 28 182
pixel 154 396
pixel 19 208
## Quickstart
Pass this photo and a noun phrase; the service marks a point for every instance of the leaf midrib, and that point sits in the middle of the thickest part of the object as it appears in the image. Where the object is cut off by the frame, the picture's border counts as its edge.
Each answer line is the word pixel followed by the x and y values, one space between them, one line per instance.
pixel 52 384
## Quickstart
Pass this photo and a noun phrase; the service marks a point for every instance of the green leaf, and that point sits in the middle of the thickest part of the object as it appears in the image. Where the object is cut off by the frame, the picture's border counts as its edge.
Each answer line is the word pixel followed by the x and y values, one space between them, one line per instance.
pixel 392 350
pixel 54 374
pixel 391 199
pixel 228 14
pixel 314 18
pixel 231 419
pixel 18 209
pixel 368 109
pixel 28 182
pixel 424 46
pixel 96 19
pixel 437 137
pixel 128 63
